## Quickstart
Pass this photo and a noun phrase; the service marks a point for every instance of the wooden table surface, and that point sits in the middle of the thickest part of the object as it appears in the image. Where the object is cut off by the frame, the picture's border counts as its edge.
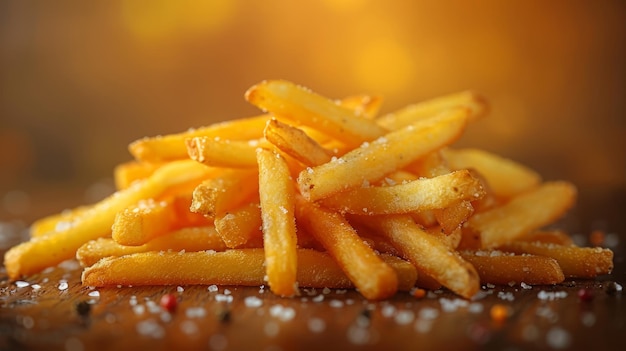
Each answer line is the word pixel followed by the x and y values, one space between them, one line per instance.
pixel 53 311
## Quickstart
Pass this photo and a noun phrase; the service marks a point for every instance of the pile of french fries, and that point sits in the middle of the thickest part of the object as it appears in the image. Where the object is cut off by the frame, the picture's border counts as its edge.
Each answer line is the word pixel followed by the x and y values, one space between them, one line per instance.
pixel 320 193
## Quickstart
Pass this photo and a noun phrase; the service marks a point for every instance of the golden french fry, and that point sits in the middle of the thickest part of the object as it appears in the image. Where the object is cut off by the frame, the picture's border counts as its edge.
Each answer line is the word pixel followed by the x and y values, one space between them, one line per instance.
pixel 372 276
pixel 172 147
pixel 452 217
pixel 426 252
pixel 185 239
pixel 143 222
pixel 576 262
pixel 523 213
pixel 230 267
pixel 224 192
pixel 38 253
pixel 414 196
pixel 497 267
pixel 56 222
pixel 366 106
pixel 372 161
pixel 276 194
pixel 224 153
pixel 287 100
pixel 506 178
pixel 474 102
pixel 295 143
pixel 241 225
pixel 126 173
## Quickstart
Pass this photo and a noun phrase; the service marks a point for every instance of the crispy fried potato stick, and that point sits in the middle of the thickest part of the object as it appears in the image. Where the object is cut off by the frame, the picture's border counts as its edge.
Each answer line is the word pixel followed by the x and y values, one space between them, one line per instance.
pixel 295 143
pixel 474 102
pixel 231 267
pixel 38 253
pixel 506 178
pixel 576 262
pixel 287 100
pixel 56 222
pixel 366 106
pixel 372 161
pixel 126 173
pixel 224 192
pixel 172 147
pixel 240 225
pixel 224 153
pixel 143 222
pixel 451 218
pixel 414 196
pixel 276 194
pixel 372 276
pixel 186 239
pixel 523 213
pixel 499 268
pixel 426 252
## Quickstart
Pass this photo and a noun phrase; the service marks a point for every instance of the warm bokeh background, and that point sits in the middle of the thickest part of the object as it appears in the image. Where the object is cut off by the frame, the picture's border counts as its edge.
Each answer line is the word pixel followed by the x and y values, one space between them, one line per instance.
pixel 79 79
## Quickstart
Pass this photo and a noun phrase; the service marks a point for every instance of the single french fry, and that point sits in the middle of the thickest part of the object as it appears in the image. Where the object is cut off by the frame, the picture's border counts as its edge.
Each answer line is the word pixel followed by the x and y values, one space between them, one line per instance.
pixel 372 276
pixel 224 153
pixel 224 192
pixel 295 142
pixel 126 173
pixel 172 147
pixel 287 100
pixel 366 106
pixel 426 252
pixel 230 267
pixel 372 161
pixel 452 217
pixel 506 178
pixel 276 194
pixel 186 239
pixel 414 196
pixel 240 225
pixel 56 222
pixel 143 222
pixel 38 253
pixel 576 262
pixel 499 268
pixel 474 102
pixel 523 213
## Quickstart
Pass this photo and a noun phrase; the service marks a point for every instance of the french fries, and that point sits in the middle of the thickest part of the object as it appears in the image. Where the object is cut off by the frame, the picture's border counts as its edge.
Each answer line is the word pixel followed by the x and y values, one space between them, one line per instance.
pixel 320 192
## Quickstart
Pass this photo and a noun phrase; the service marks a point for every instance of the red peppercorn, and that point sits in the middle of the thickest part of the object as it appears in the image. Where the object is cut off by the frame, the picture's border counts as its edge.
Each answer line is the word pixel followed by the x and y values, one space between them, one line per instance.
pixel 585 294
pixel 169 302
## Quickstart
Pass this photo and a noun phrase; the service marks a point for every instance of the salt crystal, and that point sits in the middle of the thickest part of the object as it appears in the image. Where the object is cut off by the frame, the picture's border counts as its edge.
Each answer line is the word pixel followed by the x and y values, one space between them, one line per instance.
pixel 423 325
pixel 224 298
pixel 475 307
pixel 21 284
pixel 404 317
pixel 36 286
pixel 63 286
pixel 525 286
pixel 180 289
pixel 558 338
pixel 150 328
pixel 316 325
pixel 94 293
pixel 336 303
pixel 428 313
pixel 318 298
pixel 139 309
pixel 388 311
pixel 283 313
pixel 212 288
pixel 326 291
pixel 253 301
pixel 195 312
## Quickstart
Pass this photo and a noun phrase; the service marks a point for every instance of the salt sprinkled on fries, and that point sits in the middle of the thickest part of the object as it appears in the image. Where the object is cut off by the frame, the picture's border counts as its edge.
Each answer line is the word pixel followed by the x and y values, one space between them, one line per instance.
pixel 320 193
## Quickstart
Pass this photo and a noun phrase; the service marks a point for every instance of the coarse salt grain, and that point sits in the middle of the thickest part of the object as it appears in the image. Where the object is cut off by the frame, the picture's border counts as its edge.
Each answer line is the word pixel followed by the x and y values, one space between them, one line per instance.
pixel 35 286
pixel 252 301
pixel 388 311
pixel 195 312
pixel 63 286
pixel 94 293
pixel 558 338
pixel 428 313
pixel 21 284
pixel 212 288
pixel 139 309
pixel 404 317
pixel 224 298
pixel 189 327
pixel 525 286
pixel 150 328
pixel 282 312
pixel 316 325
pixel 336 303
pixel 180 289
pixel 551 295
pixel 318 298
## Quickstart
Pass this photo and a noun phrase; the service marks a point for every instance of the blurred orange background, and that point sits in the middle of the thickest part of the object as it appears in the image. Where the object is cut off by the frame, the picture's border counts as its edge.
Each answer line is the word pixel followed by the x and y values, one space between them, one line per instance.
pixel 80 80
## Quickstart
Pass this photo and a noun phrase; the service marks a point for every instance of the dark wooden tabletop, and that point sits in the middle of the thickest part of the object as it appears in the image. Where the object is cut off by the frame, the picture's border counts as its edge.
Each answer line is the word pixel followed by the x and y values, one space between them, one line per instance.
pixel 53 311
